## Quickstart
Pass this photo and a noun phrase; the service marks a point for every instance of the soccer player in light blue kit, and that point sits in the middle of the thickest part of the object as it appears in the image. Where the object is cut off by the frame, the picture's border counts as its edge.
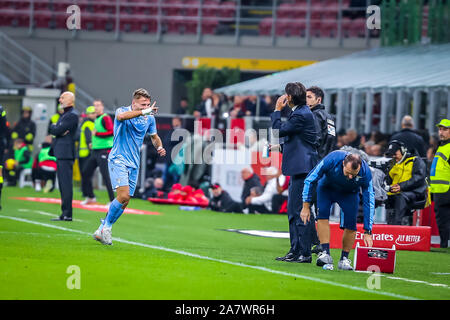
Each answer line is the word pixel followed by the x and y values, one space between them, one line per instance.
pixel 131 124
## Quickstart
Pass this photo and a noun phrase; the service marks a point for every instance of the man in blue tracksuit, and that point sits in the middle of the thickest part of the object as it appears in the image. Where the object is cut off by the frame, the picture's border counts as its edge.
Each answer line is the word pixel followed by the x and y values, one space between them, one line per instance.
pixel 339 177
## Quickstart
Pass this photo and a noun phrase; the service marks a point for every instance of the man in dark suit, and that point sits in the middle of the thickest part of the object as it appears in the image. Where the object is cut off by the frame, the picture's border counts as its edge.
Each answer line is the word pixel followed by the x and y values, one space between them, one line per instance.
pixel 299 158
pixel 63 148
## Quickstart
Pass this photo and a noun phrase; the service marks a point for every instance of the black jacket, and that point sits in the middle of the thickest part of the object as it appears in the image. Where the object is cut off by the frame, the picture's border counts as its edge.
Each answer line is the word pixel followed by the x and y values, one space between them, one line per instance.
pixel 326 129
pixel 251 182
pixel 417 183
pixel 63 146
pixel 412 141
pixel 224 203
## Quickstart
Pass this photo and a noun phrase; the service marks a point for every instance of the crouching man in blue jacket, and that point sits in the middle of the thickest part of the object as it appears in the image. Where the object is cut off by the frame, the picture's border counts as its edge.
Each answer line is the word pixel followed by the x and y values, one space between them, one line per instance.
pixel 339 177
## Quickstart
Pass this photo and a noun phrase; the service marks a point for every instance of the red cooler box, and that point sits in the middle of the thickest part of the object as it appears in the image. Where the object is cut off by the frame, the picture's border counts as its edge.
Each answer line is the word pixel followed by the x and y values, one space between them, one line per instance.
pixel 372 259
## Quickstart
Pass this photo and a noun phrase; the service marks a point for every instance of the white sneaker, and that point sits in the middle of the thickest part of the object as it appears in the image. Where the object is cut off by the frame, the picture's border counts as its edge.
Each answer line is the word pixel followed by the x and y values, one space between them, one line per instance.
pixel 345 264
pixel 106 236
pixel 88 201
pixel 38 186
pixel 48 186
pixel 323 259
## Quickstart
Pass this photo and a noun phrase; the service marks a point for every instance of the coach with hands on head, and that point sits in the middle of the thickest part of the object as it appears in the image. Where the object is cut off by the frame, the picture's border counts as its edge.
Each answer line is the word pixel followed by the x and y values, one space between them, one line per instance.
pixel 299 157
pixel 63 148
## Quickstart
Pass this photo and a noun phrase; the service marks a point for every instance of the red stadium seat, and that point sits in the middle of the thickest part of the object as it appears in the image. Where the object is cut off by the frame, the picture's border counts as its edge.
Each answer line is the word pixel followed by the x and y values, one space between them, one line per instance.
pixel 265 26
pixel 354 28
pixel 299 11
pixel 148 24
pixel 227 9
pixel 41 4
pixel 291 27
pixel 328 28
pixel 210 8
pixel 172 7
pixel 15 18
pixel 284 10
pixel 7 17
pixel 192 7
pixel 41 19
pixel 209 26
pixel 188 26
pixel 330 12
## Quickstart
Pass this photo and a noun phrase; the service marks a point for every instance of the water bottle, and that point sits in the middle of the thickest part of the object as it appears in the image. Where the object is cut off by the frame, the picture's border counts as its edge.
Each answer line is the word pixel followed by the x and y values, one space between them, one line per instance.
pixel 266 151
pixel 189 208
pixel 328 266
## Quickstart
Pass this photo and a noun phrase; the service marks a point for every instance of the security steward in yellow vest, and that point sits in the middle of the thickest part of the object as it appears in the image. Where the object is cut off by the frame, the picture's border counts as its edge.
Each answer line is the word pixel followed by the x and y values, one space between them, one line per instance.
pixel 85 142
pixel 406 180
pixel 440 182
pixel 102 142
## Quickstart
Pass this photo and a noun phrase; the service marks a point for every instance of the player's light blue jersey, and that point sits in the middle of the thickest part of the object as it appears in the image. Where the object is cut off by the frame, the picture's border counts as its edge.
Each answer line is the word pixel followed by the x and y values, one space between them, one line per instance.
pixel 129 136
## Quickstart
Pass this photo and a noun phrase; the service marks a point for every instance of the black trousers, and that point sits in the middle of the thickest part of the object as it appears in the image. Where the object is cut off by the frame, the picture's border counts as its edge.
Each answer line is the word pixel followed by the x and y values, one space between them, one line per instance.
pixel 401 203
pixel 98 158
pixel 257 208
pixel 442 210
pixel 299 233
pixel 81 163
pixel 277 202
pixel 65 182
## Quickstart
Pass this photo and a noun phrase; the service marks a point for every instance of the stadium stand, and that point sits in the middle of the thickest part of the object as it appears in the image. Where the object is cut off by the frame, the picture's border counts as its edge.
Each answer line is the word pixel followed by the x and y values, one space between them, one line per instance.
pixel 183 16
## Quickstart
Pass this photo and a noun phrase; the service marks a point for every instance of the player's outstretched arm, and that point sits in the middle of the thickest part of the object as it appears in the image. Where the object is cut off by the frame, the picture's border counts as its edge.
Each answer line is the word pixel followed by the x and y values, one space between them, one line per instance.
pixel 127 115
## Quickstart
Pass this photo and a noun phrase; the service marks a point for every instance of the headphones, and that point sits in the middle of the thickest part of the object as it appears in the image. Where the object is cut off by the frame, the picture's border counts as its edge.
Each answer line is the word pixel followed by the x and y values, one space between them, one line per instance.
pixel 403 149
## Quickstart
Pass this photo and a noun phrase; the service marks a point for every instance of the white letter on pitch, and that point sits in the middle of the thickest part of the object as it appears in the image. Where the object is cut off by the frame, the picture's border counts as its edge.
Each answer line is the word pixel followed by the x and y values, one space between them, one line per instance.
pixel 74 281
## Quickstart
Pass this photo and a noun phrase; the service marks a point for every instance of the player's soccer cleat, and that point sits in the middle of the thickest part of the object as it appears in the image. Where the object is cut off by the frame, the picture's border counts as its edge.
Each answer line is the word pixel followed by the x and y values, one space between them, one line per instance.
pixel 106 236
pixel 89 201
pixel 97 235
pixel 345 264
pixel 324 258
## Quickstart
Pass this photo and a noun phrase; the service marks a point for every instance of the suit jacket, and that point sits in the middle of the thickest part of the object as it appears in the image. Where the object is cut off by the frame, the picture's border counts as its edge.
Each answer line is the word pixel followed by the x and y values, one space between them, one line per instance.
pixel 413 141
pixel 300 140
pixel 63 146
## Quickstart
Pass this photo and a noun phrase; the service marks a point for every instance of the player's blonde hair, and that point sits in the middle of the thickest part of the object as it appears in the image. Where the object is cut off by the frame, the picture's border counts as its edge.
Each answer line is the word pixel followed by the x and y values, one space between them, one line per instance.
pixel 139 93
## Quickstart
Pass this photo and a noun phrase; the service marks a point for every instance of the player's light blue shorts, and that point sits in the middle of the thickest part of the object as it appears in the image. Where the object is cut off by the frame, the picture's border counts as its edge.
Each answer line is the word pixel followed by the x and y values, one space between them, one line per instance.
pixel 121 175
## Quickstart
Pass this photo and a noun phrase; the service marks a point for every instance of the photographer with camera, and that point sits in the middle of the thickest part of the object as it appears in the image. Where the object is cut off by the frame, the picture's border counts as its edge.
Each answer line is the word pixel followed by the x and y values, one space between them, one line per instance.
pixel 406 182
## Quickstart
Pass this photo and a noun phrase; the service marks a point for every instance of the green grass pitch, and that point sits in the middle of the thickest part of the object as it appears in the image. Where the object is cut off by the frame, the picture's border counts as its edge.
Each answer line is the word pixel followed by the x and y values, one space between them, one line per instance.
pixel 182 255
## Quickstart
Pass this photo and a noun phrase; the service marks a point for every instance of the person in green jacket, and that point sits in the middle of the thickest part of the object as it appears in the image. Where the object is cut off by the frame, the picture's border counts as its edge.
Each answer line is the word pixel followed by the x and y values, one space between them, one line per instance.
pixel 102 142
pixel 22 160
pixel 44 168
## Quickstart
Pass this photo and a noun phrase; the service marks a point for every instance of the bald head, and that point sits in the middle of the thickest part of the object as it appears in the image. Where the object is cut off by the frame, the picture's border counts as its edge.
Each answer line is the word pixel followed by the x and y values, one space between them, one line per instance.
pixel 246 173
pixel 67 99
pixel 407 122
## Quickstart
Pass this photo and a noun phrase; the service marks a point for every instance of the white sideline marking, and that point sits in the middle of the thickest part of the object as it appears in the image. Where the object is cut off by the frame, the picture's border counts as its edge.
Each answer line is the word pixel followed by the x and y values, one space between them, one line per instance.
pixel 193 255
pixel 46 214
pixel 441 273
